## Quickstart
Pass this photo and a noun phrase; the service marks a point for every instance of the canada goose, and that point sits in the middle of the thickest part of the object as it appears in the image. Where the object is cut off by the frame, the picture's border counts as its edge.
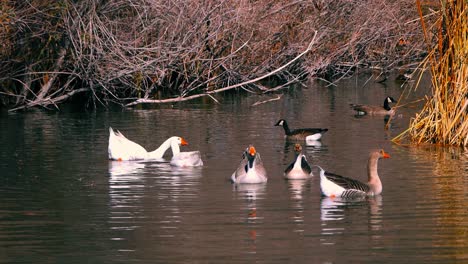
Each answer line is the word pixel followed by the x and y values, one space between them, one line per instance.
pixel 121 148
pixel 333 185
pixel 374 109
pixel 301 133
pixel 299 168
pixel 250 169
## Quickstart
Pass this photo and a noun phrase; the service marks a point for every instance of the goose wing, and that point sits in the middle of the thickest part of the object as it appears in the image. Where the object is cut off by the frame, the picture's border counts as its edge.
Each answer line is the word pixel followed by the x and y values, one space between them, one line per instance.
pixel 259 168
pixel 367 108
pixel 305 165
pixel 308 131
pixel 289 168
pixel 241 169
pixel 347 183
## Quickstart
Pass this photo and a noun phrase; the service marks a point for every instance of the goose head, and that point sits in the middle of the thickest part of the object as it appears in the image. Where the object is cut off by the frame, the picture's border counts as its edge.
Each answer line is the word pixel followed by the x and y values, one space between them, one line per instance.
pixel 382 154
pixel 297 148
pixel 280 122
pixel 178 141
pixel 387 102
pixel 250 153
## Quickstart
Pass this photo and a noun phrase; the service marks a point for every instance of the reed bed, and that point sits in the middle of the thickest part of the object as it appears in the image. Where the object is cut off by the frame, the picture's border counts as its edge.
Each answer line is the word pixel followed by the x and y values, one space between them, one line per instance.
pixel 443 119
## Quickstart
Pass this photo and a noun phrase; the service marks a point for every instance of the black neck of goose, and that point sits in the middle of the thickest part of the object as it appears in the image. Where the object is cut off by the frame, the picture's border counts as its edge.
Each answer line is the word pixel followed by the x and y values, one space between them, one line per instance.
pixel 250 161
pixel 286 128
pixel 386 105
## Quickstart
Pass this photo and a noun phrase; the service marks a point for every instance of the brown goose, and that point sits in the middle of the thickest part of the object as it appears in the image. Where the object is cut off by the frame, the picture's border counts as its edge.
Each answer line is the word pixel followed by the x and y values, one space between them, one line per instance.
pixel 250 169
pixel 333 185
pixel 308 134
pixel 299 168
pixel 374 109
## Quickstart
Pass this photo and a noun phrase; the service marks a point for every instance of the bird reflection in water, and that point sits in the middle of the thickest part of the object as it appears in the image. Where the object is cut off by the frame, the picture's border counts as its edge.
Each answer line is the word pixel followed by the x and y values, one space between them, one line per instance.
pixel 334 211
pixel 251 193
pixel 297 189
pixel 125 168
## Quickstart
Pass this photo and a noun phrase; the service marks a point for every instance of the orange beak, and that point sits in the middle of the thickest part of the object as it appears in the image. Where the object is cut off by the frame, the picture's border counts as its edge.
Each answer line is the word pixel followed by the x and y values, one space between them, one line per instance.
pixel 183 142
pixel 385 155
pixel 252 151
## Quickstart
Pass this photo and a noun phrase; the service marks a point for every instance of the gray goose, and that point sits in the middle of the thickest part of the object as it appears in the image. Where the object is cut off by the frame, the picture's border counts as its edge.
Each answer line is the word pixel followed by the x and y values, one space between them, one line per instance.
pixel 333 185
pixel 299 168
pixel 362 109
pixel 308 134
pixel 250 169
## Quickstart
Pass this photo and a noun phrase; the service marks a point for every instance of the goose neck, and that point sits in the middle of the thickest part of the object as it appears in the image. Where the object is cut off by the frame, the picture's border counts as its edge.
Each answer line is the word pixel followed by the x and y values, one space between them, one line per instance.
pixel 386 105
pixel 169 143
pixel 286 128
pixel 373 176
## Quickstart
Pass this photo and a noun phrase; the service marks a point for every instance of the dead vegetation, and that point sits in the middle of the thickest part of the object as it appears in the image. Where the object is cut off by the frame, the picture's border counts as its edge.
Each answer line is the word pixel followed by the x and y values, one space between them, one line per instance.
pixel 157 51
pixel 443 119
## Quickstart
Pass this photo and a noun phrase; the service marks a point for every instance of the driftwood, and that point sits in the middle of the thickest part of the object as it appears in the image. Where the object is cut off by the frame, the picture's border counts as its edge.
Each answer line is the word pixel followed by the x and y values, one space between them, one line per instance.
pixel 187 98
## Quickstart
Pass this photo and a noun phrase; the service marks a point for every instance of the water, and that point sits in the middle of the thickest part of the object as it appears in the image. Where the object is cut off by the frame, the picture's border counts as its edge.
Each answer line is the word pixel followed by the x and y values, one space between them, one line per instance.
pixel 62 201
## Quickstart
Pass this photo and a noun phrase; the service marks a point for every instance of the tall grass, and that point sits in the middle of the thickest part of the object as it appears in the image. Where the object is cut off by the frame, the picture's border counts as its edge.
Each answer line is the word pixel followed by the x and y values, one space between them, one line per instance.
pixel 443 119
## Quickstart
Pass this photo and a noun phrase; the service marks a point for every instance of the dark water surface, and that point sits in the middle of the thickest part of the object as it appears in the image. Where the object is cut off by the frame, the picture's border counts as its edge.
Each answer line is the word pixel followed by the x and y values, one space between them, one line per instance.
pixel 62 201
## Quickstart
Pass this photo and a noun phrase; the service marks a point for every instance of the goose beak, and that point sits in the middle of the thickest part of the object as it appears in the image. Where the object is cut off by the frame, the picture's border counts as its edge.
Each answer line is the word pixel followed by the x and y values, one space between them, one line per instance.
pixel 385 155
pixel 183 142
pixel 252 151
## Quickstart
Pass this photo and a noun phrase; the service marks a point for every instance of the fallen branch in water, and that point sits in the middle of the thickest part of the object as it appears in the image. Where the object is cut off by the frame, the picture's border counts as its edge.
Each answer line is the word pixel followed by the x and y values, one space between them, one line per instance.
pixel 182 98
pixel 269 100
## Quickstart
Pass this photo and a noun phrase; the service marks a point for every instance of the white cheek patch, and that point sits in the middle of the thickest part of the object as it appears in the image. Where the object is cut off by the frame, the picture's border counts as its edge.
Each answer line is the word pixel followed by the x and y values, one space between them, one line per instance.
pixel 389 100
pixel 281 123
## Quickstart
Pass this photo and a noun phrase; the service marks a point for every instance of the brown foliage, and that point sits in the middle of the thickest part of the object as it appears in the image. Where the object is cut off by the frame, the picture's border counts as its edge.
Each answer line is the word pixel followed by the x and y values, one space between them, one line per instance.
pixel 120 50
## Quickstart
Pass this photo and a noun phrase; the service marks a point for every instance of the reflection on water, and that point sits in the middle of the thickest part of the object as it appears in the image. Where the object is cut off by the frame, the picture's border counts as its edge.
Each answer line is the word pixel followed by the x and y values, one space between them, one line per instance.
pixel 62 197
pixel 120 170
pixel 336 213
pixel 129 183
pixel 251 194
pixel 297 188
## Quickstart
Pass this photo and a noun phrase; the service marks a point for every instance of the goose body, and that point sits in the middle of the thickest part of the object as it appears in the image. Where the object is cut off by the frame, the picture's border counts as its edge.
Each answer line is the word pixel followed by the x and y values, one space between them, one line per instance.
pixel 362 109
pixel 334 185
pixel 250 169
pixel 309 134
pixel 121 148
pixel 299 168
pixel 187 159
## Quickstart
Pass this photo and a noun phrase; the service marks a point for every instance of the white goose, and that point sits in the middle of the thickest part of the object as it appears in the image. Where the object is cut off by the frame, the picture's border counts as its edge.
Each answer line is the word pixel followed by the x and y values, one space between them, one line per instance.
pixel 299 168
pixel 121 148
pixel 250 169
pixel 187 159
pixel 333 185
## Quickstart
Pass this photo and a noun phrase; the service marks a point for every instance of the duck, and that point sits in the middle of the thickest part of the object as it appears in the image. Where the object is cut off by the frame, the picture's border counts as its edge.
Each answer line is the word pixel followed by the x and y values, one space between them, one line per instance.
pixel 309 134
pixel 299 169
pixel 250 169
pixel 334 185
pixel 120 148
pixel 362 109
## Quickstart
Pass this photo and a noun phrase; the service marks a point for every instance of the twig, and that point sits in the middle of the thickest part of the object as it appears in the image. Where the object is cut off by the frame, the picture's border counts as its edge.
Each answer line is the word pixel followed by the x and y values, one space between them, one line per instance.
pixel 181 99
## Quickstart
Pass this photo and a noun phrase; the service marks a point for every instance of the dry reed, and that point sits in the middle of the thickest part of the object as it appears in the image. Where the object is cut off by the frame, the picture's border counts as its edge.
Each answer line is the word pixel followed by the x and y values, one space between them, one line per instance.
pixel 443 119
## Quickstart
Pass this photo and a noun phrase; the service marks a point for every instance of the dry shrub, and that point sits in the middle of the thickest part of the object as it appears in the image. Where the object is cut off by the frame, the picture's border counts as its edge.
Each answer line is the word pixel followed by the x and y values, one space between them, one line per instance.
pixel 443 118
pixel 121 50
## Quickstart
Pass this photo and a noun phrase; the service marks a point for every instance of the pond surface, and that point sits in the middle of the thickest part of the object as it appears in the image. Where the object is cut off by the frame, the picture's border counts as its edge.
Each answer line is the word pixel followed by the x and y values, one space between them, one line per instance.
pixel 62 201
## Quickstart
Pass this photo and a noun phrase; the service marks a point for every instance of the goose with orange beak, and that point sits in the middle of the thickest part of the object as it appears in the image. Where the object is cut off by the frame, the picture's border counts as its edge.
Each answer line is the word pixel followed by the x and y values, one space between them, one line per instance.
pixel 121 148
pixel 250 169
pixel 333 185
